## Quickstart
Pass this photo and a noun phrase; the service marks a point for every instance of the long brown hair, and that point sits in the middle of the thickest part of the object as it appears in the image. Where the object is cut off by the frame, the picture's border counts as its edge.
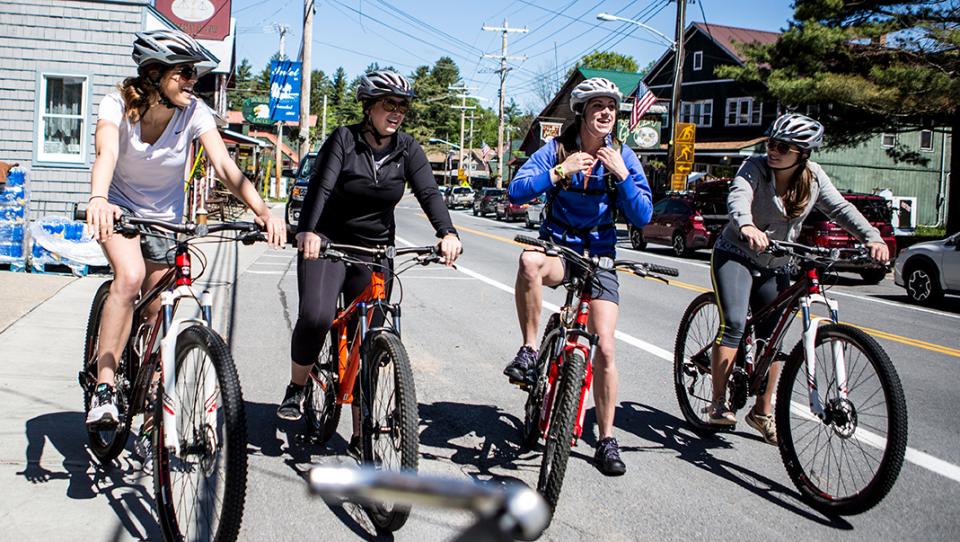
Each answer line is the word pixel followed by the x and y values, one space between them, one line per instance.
pixel 797 196
pixel 139 92
pixel 567 140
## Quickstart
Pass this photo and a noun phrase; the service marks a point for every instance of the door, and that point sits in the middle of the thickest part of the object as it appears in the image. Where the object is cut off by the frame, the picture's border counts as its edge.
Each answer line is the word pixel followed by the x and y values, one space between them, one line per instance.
pixel 654 229
pixel 951 264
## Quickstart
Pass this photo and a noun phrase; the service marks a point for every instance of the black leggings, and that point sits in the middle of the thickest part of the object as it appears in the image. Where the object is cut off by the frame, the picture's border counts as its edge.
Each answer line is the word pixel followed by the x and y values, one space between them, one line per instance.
pixel 319 283
pixel 737 283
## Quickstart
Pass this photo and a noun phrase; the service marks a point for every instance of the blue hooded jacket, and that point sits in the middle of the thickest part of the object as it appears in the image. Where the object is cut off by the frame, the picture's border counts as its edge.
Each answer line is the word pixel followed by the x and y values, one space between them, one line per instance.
pixel 589 214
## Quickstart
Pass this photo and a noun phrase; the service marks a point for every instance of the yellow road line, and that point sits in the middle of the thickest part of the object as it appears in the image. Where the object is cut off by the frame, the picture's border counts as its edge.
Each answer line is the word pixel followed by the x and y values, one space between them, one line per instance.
pixel 917 343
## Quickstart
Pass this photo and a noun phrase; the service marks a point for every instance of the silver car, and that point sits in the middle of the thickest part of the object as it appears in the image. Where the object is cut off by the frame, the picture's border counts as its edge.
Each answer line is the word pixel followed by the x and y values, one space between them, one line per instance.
pixel 535 212
pixel 929 270
pixel 460 196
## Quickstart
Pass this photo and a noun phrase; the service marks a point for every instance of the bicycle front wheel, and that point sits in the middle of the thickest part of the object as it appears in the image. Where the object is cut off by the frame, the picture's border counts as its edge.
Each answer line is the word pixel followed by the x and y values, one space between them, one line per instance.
pixel 533 409
pixel 106 444
pixel 556 451
pixel 200 488
pixel 847 462
pixel 692 380
pixel 390 440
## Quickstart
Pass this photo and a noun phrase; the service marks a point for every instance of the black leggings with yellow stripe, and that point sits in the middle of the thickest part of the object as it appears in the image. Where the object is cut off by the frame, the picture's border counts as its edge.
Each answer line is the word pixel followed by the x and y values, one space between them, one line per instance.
pixel 738 282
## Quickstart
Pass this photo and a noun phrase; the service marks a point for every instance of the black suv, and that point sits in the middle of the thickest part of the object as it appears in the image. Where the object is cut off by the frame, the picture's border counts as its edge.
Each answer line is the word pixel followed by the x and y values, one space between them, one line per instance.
pixel 484 201
pixel 298 191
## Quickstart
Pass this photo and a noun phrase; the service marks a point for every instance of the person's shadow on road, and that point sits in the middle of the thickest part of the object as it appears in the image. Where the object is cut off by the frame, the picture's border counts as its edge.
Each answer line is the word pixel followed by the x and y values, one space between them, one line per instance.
pixel 121 482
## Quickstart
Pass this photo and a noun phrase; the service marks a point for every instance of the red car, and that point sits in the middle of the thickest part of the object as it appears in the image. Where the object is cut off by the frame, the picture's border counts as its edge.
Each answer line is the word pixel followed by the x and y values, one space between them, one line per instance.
pixel 510 211
pixel 818 230
pixel 686 222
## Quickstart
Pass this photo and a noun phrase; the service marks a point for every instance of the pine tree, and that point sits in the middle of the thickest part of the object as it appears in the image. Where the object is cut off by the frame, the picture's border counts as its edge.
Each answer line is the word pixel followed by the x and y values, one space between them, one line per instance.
pixel 868 66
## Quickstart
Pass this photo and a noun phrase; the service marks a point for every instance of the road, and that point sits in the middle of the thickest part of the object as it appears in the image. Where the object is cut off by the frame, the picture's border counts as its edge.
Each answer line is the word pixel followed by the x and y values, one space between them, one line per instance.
pixel 460 329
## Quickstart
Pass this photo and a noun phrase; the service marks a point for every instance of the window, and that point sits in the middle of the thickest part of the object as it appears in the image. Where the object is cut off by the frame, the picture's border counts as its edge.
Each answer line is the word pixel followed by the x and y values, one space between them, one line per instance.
pixel 743 112
pixel 62 127
pixel 697 61
pixel 888 140
pixel 926 140
pixel 660 207
pixel 699 113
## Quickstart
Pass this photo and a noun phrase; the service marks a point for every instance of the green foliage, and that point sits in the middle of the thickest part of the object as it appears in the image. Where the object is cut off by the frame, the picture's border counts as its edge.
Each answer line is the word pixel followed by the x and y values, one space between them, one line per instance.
pixel 606 60
pixel 938 232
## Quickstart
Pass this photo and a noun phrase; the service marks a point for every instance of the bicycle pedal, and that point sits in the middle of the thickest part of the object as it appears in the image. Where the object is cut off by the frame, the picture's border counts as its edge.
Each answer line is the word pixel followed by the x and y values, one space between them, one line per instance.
pixel 522 384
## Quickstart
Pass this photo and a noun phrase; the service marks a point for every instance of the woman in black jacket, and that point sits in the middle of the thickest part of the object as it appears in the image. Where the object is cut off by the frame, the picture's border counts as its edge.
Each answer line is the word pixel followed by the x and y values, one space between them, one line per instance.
pixel 358 181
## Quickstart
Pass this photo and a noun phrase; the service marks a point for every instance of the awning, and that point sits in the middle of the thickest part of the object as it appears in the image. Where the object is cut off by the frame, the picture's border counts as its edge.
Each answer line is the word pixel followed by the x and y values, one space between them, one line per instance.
pixel 230 136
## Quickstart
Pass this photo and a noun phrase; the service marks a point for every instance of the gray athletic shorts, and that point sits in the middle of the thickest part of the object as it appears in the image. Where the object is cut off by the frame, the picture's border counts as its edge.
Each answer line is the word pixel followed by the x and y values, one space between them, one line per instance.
pixel 157 246
pixel 606 285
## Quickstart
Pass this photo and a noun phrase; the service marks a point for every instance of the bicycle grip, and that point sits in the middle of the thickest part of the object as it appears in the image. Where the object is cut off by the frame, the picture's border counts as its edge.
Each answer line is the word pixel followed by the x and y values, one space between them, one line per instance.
pixel 526 240
pixel 79 214
pixel 663 270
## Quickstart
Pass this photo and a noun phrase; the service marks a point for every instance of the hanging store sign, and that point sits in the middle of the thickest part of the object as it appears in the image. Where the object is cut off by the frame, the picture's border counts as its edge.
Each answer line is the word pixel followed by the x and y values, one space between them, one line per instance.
pixel 549 130
pixel 257 111
pixel 202 19
pixel 285 90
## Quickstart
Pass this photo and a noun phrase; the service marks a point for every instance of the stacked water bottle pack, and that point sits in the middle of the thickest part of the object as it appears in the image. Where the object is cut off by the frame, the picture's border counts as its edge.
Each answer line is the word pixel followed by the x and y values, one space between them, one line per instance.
pixel 13 213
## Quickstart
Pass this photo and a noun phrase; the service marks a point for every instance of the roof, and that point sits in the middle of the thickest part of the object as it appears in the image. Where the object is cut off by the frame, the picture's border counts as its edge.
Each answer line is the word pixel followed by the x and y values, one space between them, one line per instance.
pixel 272 138
pixel 730 37
pixel 625 81
pixel 234 137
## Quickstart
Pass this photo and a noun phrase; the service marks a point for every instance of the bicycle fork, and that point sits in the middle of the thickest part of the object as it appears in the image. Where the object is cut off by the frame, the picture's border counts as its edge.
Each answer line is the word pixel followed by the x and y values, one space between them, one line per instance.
pixel 810 326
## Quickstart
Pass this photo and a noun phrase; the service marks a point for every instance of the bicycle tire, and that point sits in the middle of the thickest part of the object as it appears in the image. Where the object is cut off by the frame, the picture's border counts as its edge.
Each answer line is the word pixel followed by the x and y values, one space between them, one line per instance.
pixel 793 418
pixel 693 383
pixel 533 407
pixel 556 452
pixel 221 448
pixel 105 445
pixel 321 409
pixel 394 414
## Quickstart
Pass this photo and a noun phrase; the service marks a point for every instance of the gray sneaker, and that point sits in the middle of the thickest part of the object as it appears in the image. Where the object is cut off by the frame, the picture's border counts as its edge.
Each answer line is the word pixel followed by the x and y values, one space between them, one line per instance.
pixel 764 424
pixel 520 370
pixel 103 414
pixel 143 447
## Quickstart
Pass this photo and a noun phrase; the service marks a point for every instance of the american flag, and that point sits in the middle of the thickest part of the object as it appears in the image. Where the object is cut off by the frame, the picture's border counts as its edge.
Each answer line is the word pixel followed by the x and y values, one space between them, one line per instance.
pixel 484 151
pixel 643 98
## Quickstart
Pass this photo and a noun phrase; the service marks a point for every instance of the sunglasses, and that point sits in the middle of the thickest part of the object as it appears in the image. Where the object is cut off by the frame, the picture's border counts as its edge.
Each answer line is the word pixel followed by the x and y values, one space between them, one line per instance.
pixel 779 146
pixel 187 71
pixel 390 106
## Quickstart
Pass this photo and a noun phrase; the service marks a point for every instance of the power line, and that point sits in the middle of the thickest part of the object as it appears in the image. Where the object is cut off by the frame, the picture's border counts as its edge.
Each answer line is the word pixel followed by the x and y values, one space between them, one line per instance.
pixel 453 39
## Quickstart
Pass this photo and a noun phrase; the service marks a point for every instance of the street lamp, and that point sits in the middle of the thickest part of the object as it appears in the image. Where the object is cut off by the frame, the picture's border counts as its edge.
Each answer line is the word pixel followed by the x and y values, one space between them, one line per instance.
pixel 667 41
pixel 444 141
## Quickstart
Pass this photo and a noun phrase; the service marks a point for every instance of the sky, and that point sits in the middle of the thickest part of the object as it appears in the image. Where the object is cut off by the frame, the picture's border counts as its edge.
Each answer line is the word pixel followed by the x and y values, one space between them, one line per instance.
pixel 405 34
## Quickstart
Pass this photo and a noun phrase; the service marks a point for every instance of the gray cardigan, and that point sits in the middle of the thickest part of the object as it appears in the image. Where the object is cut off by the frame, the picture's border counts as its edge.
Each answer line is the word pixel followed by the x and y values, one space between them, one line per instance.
pixel 753 200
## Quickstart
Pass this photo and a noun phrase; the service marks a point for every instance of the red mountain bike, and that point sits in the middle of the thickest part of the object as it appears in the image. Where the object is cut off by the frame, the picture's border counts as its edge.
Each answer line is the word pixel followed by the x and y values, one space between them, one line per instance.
pixel 556 401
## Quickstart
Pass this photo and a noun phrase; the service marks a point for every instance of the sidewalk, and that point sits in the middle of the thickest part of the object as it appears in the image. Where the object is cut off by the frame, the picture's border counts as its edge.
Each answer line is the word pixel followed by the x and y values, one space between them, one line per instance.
pixel 52 487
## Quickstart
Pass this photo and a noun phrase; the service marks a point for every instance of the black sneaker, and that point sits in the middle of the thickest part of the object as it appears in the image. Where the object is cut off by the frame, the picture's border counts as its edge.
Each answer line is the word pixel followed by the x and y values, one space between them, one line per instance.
pixel 608 459
pixel 353 448
pixel 103 414
pixel 521 368
pixel 291 408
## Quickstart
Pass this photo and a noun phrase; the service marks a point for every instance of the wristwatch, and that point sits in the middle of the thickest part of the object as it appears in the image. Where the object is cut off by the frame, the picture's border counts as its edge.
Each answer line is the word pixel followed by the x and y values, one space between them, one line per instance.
pixel 559 171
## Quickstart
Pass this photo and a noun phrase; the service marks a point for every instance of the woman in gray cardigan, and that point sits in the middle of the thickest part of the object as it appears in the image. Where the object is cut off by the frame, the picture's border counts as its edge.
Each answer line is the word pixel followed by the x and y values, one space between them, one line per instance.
pixel 769 199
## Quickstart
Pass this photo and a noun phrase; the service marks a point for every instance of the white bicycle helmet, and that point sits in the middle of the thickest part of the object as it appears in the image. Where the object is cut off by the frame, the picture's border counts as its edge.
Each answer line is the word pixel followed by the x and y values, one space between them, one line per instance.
pixel 170 47
pixel 593 88
pixel 797 129
pixel 380 83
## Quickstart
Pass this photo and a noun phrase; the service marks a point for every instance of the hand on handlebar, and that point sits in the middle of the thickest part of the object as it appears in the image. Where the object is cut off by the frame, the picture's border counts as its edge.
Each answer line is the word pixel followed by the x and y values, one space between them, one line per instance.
pixel 450 248
pixel 276 229
pixel 100 217
pixel 310 244
pixel 879 252
pixel 757 239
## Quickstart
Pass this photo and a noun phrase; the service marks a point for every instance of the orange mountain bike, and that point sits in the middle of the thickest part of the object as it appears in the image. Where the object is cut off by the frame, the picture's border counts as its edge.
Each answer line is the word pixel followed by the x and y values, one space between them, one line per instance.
pixel 366 357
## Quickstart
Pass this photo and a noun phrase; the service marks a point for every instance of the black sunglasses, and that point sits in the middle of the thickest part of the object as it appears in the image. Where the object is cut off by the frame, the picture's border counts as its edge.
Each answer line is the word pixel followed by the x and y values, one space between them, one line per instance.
pixel 779 146
pixel 187 71
pixel 390 106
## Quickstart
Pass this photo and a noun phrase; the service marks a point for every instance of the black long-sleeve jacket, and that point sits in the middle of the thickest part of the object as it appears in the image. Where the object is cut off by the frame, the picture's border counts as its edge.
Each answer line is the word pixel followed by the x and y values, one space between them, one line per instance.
pixel 351 200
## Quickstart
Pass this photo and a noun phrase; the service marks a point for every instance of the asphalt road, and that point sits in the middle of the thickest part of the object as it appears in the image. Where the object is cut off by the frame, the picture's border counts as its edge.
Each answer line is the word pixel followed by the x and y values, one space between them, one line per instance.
pixel 460 329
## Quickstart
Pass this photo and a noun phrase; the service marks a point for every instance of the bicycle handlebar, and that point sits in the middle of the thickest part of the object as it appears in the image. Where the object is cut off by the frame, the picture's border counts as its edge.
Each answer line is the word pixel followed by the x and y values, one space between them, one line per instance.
pixel 639 268
pixel 521 512
pixel 126 226
pixel 787 248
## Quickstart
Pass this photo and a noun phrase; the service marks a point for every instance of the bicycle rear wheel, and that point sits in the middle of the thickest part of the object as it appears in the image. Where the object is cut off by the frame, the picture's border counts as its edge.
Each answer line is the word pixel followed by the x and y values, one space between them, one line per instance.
pixel 390 440
pixel 847 463
pixel 321 407
pixel 691 361
pixel 200 489
pixel 106 445
pixel 552 336
pixel 556 451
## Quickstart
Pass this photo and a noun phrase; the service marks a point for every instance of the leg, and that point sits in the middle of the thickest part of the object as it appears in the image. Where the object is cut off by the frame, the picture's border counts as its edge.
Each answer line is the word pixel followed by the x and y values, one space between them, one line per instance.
pixel 731 281
pixel 536 270
pixel 764 293
pixel 128 275
pixel 603 322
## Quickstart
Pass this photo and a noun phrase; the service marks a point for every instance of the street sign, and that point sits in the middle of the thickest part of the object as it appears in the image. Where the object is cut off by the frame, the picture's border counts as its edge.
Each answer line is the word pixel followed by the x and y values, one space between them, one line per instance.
pixel 285 90
pixel 678 182
pixel 686 132
pixel 257 111
pixel 683 151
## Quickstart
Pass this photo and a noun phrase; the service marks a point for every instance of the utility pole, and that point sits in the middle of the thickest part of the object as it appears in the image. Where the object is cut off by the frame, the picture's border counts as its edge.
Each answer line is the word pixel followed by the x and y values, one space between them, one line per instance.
pixel 323 126
pixel 677 79
pixel 463 109
pixel 281 29
pixel 307 49
pixel 503 56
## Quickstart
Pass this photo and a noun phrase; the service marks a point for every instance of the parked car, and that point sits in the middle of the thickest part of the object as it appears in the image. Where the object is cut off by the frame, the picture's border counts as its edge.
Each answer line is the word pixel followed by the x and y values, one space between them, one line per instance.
pixel 459 196
pixel 929 270
pixel 485 199
pixel 686 222
pixel 505 210
pixel 818 230
pixel 443 191
pixel 535 210
pixel 298 191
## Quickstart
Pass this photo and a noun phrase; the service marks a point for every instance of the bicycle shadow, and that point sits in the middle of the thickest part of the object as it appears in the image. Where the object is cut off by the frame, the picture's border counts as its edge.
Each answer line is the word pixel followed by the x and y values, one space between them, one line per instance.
pixel 122 482
pixel 669 433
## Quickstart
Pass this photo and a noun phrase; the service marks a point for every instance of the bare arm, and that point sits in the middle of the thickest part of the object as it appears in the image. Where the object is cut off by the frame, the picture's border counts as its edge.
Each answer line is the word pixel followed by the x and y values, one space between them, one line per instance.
pixel 100 213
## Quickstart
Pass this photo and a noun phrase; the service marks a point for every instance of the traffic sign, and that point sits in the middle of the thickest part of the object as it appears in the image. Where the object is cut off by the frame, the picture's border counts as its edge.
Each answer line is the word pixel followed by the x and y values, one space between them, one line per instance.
pixel 678 182
pixel 686 132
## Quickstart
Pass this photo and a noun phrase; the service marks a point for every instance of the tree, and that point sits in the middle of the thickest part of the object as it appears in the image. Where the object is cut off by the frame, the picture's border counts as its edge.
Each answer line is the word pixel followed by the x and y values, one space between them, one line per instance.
pixel 606 60
pixel 868 66
pixel 243 83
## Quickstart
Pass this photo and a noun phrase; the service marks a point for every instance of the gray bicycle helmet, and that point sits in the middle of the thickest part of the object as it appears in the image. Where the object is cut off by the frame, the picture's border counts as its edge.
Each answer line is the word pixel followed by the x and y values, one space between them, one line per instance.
pixel 170 47
pixel 593 88
pixel 797 129
pixel 380 83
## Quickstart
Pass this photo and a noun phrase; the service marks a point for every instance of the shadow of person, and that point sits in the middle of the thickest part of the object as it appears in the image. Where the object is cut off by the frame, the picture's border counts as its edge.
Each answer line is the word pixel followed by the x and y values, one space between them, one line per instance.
pixel 121 481
pixel 262 424
pixel 667 432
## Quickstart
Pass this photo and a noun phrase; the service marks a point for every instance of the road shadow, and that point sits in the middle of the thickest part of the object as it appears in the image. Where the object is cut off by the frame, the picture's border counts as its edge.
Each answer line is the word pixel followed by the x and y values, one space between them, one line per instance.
pixel 949 304
pixel 700 255
pixel 667 432
pixel 122 482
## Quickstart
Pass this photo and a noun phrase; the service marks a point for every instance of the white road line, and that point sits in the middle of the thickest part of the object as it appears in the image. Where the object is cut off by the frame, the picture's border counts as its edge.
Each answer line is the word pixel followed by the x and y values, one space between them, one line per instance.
pixel 921 459
pixel 270 263
pixel 266 272
pixel 407 277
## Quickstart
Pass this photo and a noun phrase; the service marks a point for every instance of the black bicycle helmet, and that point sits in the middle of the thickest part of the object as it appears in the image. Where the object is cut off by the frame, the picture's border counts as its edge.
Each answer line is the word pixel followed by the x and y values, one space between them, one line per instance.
pixel 170 47
pixel 797 129
pixel 381 83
